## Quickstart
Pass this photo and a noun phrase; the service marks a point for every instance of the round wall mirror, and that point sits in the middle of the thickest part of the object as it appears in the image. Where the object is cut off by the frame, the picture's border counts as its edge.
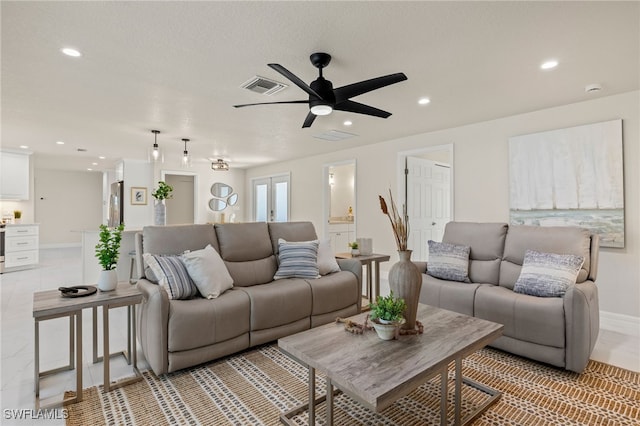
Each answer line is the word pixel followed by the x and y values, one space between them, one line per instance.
pixel 220 190
pixel 233 199
pixel 217 205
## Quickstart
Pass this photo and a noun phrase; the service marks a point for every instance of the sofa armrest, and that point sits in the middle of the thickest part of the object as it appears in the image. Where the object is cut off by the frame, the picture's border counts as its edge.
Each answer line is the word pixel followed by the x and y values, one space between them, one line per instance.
pixel 422 266
pixel 152 325
pixel 354 266
pixel 582 323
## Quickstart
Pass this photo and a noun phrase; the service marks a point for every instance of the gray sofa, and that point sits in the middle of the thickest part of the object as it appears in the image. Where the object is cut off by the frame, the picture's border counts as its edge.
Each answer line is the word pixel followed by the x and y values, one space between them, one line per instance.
pixel 560 331
pixel 175 334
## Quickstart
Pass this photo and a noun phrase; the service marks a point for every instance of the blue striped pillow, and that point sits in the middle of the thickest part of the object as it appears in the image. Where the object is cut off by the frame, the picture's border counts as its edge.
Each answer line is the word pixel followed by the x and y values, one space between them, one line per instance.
pixel 448 261
pixel 172 276
pixel 297 259
pixel 547 274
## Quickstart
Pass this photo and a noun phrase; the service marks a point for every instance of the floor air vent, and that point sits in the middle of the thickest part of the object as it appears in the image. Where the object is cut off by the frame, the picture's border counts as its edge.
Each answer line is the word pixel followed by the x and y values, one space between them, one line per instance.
pixel 264 86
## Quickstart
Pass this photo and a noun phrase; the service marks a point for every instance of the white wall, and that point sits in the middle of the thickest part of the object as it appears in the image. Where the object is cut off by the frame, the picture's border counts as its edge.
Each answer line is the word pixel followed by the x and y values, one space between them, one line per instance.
pixel 481 183
pixel 67 202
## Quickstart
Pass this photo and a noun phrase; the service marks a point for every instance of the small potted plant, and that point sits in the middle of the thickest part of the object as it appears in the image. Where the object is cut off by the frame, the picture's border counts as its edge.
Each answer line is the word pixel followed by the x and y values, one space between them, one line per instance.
pixel 17 216
pixel 386 315
pixel 107 252
pixel 163 192
pixel 354 249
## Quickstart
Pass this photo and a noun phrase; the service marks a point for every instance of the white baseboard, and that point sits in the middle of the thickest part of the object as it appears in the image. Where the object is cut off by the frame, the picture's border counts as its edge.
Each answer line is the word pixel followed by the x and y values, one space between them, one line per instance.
pixel 625 324
pixel 60 245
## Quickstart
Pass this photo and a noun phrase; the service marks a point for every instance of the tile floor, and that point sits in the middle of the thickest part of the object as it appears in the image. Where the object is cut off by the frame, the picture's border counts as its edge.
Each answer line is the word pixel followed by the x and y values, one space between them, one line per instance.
pixel 62 267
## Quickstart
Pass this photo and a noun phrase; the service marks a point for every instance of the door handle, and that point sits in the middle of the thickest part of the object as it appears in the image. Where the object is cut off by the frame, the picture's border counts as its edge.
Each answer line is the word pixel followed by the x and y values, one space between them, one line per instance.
pixel 433 223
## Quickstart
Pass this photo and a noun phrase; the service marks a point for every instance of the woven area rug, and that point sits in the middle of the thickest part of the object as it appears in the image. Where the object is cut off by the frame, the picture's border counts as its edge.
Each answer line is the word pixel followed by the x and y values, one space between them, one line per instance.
pixel 255 386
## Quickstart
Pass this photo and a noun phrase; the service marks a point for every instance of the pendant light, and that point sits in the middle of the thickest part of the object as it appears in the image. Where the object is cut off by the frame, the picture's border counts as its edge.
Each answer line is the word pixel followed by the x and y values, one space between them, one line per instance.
pixel 155 154
pixel 186 158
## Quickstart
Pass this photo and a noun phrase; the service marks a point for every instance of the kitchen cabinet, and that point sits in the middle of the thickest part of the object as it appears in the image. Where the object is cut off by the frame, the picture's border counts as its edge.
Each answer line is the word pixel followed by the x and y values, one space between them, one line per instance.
pixel 21 247
pixel 340 235
pixel 14 176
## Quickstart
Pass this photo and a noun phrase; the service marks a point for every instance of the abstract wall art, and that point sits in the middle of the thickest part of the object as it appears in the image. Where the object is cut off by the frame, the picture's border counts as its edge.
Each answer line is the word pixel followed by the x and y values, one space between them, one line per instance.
pixel 570 177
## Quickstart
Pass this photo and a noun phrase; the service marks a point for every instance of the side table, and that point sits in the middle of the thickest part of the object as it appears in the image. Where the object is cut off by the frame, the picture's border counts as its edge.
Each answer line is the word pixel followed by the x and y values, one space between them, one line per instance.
pixel 50 304
pixel 368 260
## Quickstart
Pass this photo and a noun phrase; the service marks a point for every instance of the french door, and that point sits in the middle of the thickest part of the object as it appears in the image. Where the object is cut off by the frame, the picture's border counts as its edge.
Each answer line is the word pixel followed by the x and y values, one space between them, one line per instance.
pixel 271 199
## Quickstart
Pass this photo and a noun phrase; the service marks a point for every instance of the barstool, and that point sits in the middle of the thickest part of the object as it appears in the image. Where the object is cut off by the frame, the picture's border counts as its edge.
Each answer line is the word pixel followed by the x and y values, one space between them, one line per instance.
pixel 132 255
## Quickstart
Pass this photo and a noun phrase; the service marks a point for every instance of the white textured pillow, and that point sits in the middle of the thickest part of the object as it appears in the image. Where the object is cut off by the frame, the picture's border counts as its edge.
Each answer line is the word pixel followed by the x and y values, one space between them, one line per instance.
pixel 326 259
pixel 208 271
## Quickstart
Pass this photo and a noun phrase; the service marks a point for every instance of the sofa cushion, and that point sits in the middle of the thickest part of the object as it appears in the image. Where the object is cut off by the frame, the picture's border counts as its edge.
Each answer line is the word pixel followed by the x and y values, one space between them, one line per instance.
pixel 448 261
pixel 290 231
pixel 333 292
pixel 547 274
pixel 297 259
pixel 546 239
pixel 528 318
pixel 176 239
pixel 486 242
pixel 201 322
pixel 279 302
pixel 449 295
pixel 208 271
pixel 172 276
pixel 247 252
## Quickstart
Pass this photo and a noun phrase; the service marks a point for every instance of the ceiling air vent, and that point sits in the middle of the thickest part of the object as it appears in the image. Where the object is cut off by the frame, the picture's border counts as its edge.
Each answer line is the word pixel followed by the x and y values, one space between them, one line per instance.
pixel 264 86
pixel 334 135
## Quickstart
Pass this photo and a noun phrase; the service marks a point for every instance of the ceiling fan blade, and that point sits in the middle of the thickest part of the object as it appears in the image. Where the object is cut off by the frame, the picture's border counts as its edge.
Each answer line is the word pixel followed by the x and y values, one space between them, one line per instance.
pixel 355 89
pixel 272 103
pixel 294 79
pixel 309 120
pixel 357 107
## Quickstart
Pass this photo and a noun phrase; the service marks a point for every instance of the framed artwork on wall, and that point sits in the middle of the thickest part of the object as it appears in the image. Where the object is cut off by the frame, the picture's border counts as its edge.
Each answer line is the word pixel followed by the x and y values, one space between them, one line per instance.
pixel 570 177
pixel 138 195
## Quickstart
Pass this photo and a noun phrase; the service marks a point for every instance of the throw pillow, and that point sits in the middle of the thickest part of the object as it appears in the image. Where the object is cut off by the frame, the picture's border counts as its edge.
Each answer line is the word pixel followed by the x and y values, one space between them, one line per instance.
pixel 448 261
pixel 172 276
pixel 208 271
pixel 326 259
pixel 297 259
pixel 547 274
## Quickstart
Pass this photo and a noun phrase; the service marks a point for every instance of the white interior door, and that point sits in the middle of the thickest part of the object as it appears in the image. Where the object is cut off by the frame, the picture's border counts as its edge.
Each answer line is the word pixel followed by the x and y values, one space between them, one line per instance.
pixel 271 199
pixel 428 202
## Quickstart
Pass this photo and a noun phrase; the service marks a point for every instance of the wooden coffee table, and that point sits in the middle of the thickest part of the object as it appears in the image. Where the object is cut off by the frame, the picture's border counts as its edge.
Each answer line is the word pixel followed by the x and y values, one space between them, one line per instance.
pixel 376 373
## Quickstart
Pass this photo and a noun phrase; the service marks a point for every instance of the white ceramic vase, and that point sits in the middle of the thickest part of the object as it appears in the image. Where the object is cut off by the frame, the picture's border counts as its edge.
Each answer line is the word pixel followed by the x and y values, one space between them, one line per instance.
pixel 386 330
pixel 108 280
pixel 160 213
pixel 405 280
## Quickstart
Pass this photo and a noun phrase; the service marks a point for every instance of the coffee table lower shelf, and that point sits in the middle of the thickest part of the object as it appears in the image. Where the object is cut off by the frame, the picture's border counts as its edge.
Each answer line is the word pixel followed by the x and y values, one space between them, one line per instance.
pixel 310 406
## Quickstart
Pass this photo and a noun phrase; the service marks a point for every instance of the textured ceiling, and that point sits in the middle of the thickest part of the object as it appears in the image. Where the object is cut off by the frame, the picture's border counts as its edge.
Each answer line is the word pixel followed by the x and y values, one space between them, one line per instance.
pixel 177 67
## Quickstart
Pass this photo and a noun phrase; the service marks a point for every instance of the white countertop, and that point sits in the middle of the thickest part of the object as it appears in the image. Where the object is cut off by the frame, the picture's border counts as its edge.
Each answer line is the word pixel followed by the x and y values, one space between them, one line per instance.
pixel 20 224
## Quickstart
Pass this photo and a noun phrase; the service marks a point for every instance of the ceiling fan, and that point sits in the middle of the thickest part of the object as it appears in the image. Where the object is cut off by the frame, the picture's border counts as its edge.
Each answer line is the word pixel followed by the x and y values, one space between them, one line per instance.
pixel 323 98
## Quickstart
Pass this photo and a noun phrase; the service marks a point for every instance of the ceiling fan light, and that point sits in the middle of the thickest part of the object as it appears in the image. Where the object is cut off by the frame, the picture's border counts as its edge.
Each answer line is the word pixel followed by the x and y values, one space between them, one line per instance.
pixel 321 109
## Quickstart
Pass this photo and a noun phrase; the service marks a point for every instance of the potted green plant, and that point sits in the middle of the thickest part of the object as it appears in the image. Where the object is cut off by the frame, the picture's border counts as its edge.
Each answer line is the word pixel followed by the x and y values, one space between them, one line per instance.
pixel 107 252
pixel 17 216
pixel 163 192
pixel 387 315
pixel 354 249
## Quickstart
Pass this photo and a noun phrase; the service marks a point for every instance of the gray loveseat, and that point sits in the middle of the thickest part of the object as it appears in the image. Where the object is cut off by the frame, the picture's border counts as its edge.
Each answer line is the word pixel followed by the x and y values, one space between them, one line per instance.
pixel 560 331
pixel 175 334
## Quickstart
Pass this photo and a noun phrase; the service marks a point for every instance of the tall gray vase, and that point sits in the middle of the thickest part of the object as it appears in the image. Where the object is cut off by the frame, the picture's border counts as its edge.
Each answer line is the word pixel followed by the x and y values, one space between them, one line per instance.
pixel 405 280
pixel 160 213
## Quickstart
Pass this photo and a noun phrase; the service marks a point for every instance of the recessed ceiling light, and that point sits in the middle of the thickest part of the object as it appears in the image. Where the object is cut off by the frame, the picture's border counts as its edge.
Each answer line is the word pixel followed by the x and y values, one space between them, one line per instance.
pixel 102 157
pixel 60 143
pixel 24 146
pixel 94 164
pixel 89 169
pixel 71 52
pixel 549 64
pixel 424 101
pixel 348 123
